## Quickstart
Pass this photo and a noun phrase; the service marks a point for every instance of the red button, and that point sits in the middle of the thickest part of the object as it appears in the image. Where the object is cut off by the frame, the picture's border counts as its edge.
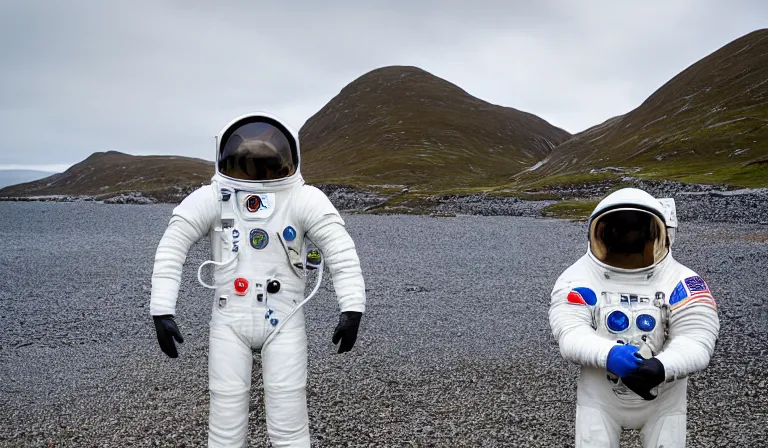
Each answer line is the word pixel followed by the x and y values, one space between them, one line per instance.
pixel 241 286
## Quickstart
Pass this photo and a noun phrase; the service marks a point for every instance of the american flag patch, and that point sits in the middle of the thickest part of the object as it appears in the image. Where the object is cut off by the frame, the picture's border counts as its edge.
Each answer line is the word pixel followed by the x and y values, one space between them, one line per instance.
pixel 701 298
pixel 696 284
pixel 695 291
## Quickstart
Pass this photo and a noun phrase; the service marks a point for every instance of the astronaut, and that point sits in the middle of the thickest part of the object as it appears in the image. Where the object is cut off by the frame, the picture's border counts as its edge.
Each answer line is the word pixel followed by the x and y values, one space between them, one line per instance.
pixel 636 321
pixel 260 216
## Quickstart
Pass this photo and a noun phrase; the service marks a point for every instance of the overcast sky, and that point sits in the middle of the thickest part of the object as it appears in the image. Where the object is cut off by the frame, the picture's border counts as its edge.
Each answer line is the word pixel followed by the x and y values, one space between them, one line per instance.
pixel 163 77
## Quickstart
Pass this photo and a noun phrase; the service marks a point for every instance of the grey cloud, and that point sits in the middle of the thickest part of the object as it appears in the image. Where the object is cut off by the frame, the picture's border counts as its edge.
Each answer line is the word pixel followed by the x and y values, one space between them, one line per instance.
pixel 150 77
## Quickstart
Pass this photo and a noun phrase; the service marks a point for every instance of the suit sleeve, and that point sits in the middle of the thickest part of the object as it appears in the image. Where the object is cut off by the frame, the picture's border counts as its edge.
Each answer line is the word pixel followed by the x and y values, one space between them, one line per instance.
pixel 693 328
pixel 190 221
pixel 325 227
pixel 571 323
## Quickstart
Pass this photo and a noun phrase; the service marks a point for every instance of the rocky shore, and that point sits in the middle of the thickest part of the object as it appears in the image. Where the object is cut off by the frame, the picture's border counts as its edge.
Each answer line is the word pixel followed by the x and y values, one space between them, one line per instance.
pixel 695 202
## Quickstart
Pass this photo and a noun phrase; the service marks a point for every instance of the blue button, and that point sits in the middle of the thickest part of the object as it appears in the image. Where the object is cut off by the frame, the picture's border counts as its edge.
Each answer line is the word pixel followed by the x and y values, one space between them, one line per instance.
pixel 645 322
pixel 274 321
pixel 617 321
pixel 289 233
pixel 235 233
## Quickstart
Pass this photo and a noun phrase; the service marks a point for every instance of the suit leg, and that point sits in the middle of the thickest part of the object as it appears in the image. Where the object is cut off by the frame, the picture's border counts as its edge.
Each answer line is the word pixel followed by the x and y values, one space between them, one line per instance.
pixel 596 429
pixel 667 431
pixel 230 361
pixel 284 366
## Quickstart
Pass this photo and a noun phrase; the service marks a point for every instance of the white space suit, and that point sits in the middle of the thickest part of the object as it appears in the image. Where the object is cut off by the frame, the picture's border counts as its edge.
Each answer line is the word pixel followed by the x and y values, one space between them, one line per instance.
pixel 651 302
pixel 258 212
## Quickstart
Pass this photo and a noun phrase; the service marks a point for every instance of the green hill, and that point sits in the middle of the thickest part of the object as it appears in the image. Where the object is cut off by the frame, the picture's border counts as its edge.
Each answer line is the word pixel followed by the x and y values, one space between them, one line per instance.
pixel 709 124
pixel 105 174
pixel 402 125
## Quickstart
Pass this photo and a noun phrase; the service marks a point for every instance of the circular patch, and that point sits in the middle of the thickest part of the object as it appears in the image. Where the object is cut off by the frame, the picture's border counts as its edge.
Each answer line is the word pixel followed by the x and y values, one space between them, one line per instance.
pixel 645 322
pixel 289 233
pixel 314 257
pixel 259 238
pixel 253 203
pixel 617 321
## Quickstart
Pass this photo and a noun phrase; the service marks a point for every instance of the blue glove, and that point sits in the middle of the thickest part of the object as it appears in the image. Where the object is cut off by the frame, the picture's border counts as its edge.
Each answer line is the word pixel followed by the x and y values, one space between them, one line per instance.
pixel 623 359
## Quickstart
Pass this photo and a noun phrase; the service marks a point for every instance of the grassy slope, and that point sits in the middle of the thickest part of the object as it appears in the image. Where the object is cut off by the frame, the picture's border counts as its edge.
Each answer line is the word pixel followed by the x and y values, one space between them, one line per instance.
pixel 402 125
pixel 577 210
pixel 709 124
pixel 105 174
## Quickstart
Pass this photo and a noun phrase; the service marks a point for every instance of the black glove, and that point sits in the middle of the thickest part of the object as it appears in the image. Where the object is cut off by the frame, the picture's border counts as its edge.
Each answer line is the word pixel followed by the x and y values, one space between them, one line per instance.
pixel 649 375
pixel 346 331
pixel 167 331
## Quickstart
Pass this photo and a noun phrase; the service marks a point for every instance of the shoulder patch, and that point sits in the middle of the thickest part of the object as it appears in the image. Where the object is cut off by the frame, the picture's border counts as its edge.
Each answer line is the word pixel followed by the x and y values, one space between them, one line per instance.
pixel 696 284
pixel 692 290
pixel 582 296
pixel 678 294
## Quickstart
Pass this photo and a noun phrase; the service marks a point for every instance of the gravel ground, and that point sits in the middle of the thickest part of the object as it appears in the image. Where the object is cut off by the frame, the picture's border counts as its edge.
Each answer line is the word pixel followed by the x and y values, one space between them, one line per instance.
pixel 455 349
pixel 743 206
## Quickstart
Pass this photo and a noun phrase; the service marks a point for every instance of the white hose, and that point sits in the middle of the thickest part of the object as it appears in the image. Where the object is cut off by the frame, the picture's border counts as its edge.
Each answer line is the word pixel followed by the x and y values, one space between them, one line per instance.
pixel 320 269
pixel 215 263
pixel 269 339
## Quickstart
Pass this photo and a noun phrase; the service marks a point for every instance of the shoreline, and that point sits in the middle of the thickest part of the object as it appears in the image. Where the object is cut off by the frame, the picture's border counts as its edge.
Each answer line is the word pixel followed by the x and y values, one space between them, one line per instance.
pixel 694 202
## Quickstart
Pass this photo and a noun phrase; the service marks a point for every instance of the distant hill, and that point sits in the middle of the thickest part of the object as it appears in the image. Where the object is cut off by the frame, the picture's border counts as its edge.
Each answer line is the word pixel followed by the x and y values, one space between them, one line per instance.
pixel 402 125
pixel 13 177
pixel 105 174
pixel 709 124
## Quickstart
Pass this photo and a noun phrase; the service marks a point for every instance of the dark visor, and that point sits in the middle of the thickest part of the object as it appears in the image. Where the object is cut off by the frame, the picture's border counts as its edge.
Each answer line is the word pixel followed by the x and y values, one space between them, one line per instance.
pixel 257 149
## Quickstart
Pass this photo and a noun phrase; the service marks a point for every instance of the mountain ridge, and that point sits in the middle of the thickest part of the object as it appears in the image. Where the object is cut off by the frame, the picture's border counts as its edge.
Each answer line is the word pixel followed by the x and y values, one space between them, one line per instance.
pixel 111 173
pixel 415 128
pixel 401 126
pixel 712 117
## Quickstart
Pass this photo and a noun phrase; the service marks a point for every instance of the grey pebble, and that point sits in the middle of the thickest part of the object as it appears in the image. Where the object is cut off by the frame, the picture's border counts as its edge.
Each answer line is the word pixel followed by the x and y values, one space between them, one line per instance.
pixel 454 350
